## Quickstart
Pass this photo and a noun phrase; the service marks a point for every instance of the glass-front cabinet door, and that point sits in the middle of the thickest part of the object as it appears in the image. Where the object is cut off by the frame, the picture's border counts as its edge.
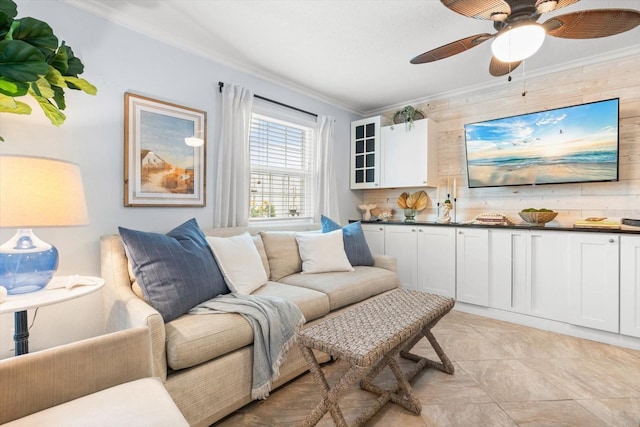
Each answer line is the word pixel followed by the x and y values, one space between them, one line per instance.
pixel 365 153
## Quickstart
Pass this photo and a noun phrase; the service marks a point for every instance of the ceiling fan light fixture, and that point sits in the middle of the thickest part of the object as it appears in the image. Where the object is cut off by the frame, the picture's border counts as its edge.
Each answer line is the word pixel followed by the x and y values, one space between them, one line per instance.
pixel 518 43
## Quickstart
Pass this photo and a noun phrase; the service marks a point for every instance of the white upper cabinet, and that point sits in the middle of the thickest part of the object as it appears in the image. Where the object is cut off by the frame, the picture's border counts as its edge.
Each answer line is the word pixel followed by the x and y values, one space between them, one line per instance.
pixel 393 156
pixel 409 155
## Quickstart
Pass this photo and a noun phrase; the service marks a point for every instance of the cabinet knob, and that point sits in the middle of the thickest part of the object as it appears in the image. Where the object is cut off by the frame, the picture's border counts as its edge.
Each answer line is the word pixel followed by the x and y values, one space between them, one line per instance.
pixel 420 231
pixel 413 230
pixel 611 240
pixel 381 229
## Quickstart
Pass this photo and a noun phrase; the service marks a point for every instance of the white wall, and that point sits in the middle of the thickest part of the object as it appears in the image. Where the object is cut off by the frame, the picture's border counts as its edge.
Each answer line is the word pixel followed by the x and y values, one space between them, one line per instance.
pixel 118 60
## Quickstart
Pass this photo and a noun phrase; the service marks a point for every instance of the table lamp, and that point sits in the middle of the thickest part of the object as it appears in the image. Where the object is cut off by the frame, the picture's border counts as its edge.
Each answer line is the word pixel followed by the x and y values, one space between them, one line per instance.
pixel 36 192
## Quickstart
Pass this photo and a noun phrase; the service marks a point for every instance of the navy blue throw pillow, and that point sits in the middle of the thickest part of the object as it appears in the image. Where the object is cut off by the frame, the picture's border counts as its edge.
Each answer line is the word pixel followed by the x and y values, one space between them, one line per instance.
pixel 355 244
pixel 175 271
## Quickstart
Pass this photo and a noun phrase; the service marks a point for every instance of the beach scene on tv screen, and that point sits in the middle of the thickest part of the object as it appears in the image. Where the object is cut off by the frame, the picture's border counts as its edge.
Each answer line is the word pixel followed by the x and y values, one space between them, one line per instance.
pixel 570 144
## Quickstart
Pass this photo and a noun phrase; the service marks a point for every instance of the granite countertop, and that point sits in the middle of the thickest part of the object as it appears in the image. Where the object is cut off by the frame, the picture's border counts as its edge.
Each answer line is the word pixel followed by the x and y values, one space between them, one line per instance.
pixel 624 229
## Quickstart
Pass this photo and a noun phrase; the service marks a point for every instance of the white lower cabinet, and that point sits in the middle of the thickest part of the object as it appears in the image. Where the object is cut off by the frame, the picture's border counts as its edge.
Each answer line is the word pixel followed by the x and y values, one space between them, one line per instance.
pixel 594 280
pixel 425 256
pixel 630 285
pixel 589 279
pixel 547 274
pixel 401 242
pixel 472 266
pixel 374 234
pixel 528 272
pixel 437 260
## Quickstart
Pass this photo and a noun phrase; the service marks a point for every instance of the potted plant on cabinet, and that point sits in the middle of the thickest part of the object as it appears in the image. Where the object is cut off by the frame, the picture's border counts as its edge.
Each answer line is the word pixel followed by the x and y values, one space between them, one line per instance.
pixel 407 116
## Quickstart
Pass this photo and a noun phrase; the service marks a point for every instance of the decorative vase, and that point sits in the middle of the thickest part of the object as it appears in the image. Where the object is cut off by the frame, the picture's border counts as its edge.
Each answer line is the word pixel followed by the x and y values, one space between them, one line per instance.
pixel 409 215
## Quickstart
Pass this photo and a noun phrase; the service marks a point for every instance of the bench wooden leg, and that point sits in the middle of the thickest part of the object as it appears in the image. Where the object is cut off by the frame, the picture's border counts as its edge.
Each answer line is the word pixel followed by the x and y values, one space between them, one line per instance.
pixel 330 396
pixel 444 365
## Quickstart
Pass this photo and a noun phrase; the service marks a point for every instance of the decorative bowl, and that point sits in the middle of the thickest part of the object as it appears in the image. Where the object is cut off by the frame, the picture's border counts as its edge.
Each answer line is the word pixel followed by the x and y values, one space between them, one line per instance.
pixel 538 218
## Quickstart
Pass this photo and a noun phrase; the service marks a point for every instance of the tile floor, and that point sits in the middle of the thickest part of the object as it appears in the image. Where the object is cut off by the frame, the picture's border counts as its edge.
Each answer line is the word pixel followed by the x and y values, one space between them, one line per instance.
pixel 506 375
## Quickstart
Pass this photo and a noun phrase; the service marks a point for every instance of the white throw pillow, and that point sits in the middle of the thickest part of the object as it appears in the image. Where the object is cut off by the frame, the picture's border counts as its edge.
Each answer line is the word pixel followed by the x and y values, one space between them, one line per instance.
pixel 322 252
pixel 239 261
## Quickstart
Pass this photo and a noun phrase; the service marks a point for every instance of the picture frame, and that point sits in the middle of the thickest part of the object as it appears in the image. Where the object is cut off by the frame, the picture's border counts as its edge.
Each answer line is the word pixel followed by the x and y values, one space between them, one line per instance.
pixel 160 169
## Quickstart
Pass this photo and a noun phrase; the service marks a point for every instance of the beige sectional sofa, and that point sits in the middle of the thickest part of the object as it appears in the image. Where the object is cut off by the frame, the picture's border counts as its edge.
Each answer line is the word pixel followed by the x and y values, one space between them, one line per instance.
pixel 206 361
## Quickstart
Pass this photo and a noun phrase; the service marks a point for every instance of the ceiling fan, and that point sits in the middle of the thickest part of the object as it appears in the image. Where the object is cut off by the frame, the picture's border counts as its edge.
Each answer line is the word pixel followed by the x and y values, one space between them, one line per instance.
pixel 518 34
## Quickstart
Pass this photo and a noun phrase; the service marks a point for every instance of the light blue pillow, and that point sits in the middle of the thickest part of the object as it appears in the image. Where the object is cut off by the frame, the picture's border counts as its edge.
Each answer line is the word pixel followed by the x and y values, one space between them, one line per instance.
pixel 175 271
pixel 355 244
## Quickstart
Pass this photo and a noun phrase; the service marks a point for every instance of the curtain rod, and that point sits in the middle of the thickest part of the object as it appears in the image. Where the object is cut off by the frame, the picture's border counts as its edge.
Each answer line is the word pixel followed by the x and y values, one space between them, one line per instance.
pixel 221 85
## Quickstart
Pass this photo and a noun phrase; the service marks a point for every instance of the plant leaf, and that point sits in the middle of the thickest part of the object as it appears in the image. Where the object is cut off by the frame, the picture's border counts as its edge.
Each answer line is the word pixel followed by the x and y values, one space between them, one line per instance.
pixel 421 201
pixel 74 66
pixel 402 200
pixel 58 98
pixel 37 33
pixel 11 88
pixel 21 62
pixel 10 105
pixel 82 84
pixel 41 87
pixel 9 8
pixel 51 111
pixel 60 61
pixel 54 77
pixel 8 11
pixel 7 101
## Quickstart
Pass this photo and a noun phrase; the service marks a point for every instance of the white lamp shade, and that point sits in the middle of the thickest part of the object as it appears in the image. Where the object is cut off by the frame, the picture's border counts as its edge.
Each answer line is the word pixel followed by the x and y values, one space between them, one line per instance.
pixel 40 192
pixel 518 43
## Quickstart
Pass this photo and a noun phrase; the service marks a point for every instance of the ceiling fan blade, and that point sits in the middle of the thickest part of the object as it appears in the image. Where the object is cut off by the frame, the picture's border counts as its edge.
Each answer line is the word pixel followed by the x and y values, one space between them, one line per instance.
pixel 496 10
pixel 544 6
pixel 451 49
pixel 592 24
pixel 499 68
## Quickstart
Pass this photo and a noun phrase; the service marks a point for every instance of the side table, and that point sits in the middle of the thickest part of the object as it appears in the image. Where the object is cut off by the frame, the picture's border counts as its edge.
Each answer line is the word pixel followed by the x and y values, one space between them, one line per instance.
pixel 54 293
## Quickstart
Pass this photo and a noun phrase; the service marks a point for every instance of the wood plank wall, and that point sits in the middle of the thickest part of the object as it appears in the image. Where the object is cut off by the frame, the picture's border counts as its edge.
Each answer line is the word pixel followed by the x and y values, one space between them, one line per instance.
pixel 617 78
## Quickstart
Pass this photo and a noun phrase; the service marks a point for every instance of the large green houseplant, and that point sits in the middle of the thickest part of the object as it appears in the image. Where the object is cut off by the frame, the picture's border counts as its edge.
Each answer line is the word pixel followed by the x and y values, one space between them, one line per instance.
pixel 34 63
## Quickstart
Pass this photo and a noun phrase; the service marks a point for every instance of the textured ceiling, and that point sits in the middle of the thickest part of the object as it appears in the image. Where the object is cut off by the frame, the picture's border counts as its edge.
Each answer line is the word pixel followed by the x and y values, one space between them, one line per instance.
pixel 352 53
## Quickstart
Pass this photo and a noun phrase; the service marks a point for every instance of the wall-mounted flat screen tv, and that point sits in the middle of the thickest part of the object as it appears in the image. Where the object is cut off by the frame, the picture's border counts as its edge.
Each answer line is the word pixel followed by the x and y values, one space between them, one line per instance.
pixel 573 144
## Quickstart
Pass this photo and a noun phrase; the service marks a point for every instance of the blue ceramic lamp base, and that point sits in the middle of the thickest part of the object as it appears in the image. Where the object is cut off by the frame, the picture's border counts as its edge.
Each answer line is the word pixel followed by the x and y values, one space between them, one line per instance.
pixel 27 264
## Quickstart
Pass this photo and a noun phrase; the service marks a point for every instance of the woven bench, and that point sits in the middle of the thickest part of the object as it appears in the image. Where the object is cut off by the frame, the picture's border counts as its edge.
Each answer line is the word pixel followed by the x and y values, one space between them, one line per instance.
pixel 369 337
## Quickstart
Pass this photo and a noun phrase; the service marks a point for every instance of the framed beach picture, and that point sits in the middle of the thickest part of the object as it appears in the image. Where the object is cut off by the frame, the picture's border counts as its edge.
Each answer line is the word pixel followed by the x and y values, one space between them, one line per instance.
pixel 160 168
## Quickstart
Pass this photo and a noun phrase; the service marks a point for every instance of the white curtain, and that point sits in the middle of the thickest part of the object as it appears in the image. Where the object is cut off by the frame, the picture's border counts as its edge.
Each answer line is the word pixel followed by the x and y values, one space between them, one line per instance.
pixel 231 191
pixel 326 188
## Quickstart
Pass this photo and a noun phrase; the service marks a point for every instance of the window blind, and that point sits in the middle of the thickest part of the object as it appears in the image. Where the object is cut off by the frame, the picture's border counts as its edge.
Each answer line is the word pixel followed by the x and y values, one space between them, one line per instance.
pixel 282 169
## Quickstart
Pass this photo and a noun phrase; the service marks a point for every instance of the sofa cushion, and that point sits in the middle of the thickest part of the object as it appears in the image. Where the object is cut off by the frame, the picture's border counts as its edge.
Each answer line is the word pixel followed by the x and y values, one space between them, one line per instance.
pixel 239 261
pixel 193 339
pixel 283 254
pixel 355 244
pixel 322 252
pixel 175 271
pixel 346 288
pixel 257 240
pixel 312 304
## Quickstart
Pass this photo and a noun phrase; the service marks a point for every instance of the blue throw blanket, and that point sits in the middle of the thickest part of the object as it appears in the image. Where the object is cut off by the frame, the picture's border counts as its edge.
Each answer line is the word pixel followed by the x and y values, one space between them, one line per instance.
pixel 275 322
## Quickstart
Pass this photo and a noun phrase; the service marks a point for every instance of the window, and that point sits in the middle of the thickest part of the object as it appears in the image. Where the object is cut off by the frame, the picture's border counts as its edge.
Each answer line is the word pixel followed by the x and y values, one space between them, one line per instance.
pixel 282 168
